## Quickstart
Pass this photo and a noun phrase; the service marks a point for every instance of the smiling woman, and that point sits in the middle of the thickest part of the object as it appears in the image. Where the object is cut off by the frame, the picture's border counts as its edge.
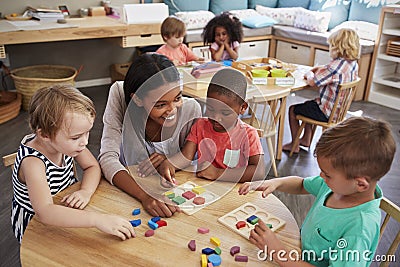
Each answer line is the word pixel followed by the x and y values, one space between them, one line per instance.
pixel 145 119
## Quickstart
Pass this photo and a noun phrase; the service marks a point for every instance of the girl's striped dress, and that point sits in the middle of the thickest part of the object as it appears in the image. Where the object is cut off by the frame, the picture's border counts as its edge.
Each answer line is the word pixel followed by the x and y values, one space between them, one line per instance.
pixel 58 178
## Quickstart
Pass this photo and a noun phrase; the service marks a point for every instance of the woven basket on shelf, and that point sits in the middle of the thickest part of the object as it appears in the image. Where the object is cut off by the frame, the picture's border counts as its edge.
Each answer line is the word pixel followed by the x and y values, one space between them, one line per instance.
pixel 10 105
pixel 28 80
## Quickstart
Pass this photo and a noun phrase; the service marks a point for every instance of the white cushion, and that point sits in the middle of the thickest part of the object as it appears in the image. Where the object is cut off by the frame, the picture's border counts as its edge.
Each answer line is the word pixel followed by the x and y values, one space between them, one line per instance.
pixel 195 19
pixel 244 13
pixel 315 21
pixel 365 30
pixel 284 15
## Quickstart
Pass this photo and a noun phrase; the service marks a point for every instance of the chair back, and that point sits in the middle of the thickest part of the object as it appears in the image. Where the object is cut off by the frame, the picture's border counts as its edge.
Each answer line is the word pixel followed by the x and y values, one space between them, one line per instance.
pixel 346 92
pixel 392 211
pixel 261 116
pixel 8 160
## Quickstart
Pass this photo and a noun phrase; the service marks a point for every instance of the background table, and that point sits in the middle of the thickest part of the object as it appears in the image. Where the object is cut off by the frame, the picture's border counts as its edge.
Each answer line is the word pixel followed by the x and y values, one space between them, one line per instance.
pixel 44 245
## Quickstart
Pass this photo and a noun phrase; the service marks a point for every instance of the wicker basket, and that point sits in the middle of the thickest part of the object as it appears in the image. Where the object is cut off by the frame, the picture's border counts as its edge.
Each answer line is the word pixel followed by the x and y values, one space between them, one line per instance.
pixel 10 105
pixel 28 80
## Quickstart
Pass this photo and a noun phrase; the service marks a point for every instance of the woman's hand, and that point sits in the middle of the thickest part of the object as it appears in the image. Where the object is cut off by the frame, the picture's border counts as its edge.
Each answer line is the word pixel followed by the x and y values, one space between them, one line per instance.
pixel 158 207
pixel 115 225
pixel 148 166
pixel 167 171
pixel 78 199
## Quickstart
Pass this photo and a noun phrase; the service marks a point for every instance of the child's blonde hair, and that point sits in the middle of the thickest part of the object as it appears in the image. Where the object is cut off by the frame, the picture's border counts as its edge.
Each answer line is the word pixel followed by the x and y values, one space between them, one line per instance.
pixel 172 26
pixel 346 43
pixel 359 147
pixel 49 105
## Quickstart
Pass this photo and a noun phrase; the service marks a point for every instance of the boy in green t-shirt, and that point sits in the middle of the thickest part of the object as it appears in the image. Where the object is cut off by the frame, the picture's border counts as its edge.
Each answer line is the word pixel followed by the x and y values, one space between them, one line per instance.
pixel 342 226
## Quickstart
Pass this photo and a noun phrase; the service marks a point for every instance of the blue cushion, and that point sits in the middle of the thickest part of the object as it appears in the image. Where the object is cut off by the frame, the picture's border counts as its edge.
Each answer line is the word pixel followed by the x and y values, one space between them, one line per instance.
pixel 294 3
pixel 258 21
pixel 339 11
pixel 360 11
pixel 184 5
pixel 218 6
pixel 267 3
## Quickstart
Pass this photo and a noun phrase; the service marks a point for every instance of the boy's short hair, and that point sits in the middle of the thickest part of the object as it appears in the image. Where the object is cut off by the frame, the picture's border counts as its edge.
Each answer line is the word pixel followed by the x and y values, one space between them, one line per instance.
pixel 172 26
pixel 346 43
pixel 49 105
pixel 229 82
pixel 358 146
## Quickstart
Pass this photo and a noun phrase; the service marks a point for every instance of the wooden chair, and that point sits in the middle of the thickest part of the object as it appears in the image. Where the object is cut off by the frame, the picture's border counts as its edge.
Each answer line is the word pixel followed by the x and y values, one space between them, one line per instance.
pixel 392 211
pixel 341 106
pixel 8 160
pixel 264 123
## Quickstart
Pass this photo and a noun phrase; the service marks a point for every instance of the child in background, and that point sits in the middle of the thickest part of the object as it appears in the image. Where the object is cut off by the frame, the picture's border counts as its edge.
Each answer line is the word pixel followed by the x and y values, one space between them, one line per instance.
pixel 227 148
pixel 60 118
pixel 345 216
pixel 225 33
pixel 173 31
pixel 344 49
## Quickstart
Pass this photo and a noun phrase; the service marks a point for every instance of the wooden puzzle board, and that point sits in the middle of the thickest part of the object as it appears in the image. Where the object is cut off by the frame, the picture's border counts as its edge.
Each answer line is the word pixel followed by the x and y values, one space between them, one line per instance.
pixel 243 212
pixel 188 207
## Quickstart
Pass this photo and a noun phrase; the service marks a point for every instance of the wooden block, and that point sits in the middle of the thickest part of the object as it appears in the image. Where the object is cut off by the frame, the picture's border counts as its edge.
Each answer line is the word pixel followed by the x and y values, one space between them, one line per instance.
pixel 199 200
pixel 215 241
pixel 217 251
pixel 178 200
pixel 136 223
pixel 253 219
pixel 215 259
pixel 241 258
pixel 207 251
pixel 235 250
pixel 204 260
pixel 192 245
pixel 136 212
pixel 203 230
pixel 240 224
pixel 199 190
pixel 169 194
pixel 149 233
pixel 152 225
pixel 155 219
pixel 188 195
pixel 161 223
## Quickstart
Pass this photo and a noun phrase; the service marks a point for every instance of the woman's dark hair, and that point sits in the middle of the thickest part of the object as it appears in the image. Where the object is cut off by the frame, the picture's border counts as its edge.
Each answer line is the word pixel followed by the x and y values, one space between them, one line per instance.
pixel 142 69
pixel 231 23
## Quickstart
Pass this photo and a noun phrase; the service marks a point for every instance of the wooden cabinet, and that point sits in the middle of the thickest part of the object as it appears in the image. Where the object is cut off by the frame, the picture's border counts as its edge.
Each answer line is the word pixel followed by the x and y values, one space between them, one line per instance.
pixel 293 53
pixel 385 78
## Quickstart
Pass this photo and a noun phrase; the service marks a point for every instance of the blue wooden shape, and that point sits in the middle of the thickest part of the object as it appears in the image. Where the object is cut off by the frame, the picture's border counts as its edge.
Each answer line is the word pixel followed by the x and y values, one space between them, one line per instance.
pixel 152 225
pixel 136 211
pixel 136 223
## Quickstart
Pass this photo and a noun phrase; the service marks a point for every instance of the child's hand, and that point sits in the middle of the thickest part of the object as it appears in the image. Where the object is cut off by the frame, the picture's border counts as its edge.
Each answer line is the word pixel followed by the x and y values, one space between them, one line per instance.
pixel 167 170
pixel 115 225
pixel 267 187
pixel 148 166
pixel 78 199
pixel 208 171
pixel 261 234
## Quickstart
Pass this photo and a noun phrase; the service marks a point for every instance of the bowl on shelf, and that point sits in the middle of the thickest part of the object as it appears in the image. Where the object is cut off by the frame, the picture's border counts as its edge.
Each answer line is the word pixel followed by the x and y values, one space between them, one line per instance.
pixel 259 73
pixel 278 73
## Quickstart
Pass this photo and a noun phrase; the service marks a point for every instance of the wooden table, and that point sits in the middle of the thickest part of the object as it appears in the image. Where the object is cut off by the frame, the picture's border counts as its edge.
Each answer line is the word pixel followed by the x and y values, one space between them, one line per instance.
pixel 85 28
pixel 54 246
pixel 275 95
